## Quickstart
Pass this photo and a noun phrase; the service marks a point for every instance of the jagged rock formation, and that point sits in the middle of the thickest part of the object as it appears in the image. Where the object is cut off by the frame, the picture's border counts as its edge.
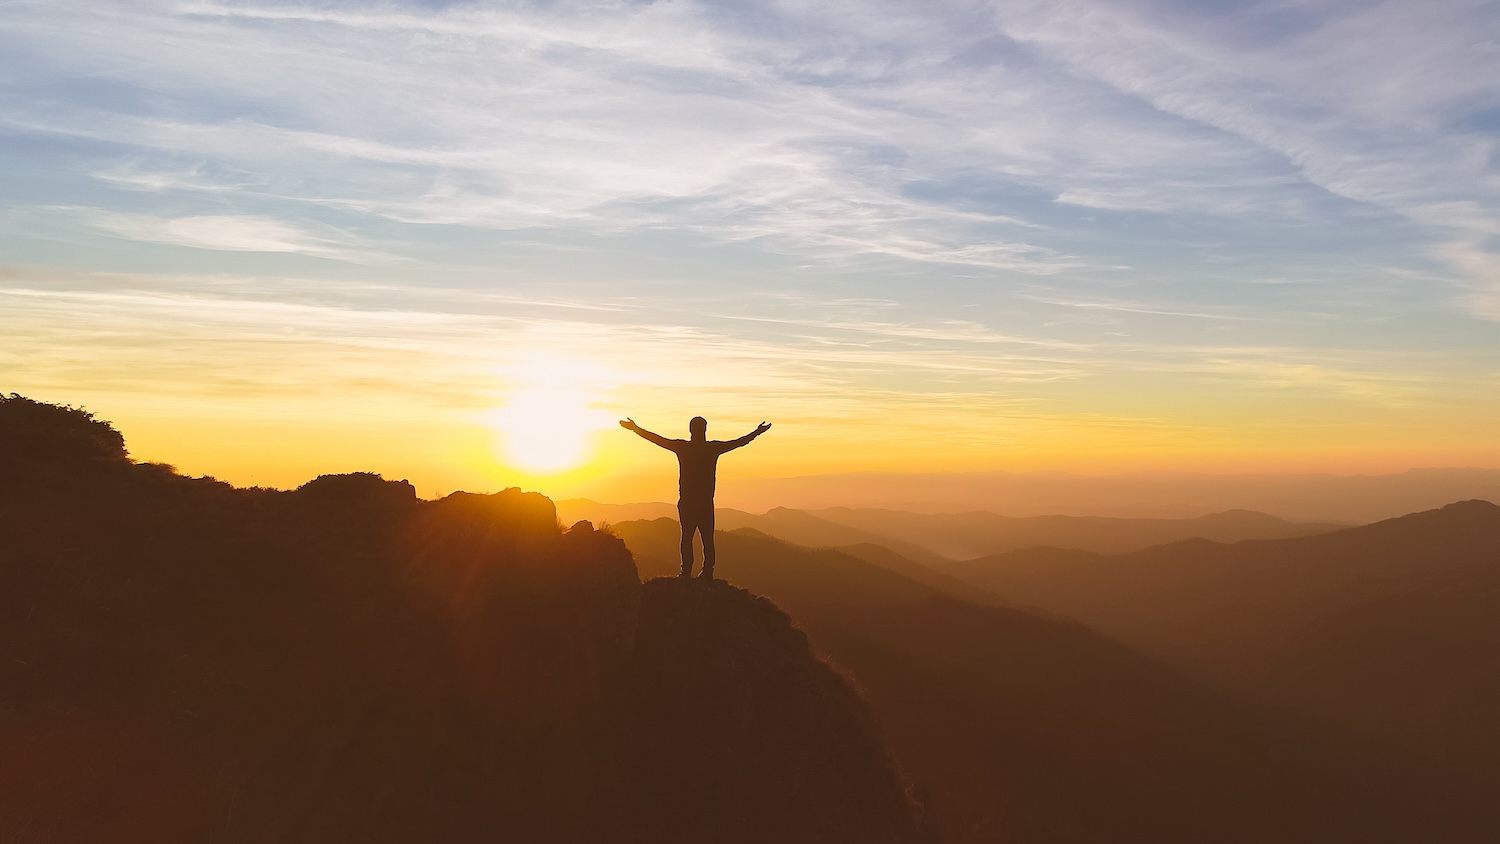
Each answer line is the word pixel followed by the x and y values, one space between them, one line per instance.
pixel 185 661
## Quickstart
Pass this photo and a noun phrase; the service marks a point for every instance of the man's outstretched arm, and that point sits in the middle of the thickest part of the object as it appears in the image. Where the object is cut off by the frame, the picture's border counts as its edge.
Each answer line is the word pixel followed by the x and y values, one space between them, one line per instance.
pixel 658 439
pixel 731 445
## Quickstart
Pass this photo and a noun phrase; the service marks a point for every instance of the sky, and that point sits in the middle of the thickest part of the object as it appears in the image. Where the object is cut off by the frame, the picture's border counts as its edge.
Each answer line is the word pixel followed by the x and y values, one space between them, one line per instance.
pixel 455 242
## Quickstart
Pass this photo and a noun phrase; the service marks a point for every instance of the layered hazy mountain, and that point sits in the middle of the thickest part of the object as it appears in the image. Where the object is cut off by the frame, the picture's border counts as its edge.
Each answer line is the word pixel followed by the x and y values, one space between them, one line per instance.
pixel 1323 497
pixel 1029 726
pixel 963 536
pixel 1390 630
pixel 935 539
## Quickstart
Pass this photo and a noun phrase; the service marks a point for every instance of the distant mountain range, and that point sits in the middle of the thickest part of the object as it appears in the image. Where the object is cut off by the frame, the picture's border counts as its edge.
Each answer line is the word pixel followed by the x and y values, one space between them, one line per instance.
pixel 937 539
pixel 962 536
pixel 1390 630
pixel 1032 727
pixel 1343 499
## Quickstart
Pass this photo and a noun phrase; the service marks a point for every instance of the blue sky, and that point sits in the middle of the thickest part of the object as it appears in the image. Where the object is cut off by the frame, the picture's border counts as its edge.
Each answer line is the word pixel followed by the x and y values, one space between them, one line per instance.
pixel 1239 224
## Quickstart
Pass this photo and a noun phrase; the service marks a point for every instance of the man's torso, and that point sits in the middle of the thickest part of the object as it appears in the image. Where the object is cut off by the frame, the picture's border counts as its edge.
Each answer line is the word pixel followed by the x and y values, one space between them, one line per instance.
pixel 697 466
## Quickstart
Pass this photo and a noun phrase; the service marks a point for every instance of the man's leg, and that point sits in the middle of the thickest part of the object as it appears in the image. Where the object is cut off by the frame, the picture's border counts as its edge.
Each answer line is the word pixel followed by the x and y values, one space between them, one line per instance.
pixel 706 532
pixel 689 525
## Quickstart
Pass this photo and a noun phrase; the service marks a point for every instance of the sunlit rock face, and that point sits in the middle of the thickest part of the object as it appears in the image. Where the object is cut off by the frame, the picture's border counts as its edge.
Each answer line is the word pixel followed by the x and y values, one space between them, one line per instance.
pixel 185 661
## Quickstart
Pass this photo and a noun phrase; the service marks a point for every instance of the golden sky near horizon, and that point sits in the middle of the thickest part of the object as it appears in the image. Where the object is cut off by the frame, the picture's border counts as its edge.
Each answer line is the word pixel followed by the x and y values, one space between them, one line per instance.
pixel 456 242
pixel 460 402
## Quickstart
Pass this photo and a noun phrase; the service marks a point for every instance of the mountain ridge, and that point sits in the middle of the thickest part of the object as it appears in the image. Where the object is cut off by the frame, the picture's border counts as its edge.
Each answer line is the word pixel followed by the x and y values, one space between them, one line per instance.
pixel 1387 630
pixel 181 660
pixel 1087 586
pixel 937 540
pixel 1017 721
pixel 1318 496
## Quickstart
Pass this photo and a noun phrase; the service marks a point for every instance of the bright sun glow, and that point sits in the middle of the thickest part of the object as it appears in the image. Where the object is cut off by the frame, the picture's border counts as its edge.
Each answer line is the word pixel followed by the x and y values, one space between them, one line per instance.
pixel 549 422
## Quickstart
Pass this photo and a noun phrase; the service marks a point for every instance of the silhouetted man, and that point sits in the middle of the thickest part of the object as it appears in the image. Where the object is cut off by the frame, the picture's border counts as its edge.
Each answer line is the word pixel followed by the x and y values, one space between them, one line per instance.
pixel 697 467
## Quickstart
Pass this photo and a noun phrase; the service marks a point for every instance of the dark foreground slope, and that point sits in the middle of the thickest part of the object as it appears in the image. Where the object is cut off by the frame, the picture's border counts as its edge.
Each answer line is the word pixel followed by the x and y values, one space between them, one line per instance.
pixel 736 719
pixel 1038 729
pixel 185 661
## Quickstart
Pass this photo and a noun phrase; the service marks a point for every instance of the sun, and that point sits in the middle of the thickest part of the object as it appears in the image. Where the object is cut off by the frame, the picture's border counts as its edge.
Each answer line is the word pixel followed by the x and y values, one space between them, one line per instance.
pixel 548 425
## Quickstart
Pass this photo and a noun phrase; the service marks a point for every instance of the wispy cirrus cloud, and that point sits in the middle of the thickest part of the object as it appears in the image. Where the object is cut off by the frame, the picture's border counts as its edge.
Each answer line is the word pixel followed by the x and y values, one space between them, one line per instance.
pixel 943 135
pixel 661 116
pixel 234 233
pixel 1114 207
pixel 1382 131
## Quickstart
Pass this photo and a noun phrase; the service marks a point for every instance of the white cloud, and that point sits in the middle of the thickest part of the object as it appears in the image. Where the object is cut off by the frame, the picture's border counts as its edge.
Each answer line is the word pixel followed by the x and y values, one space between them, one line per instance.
pixel 1482 268
pixel 233 233
pixel 834 131
pixel 654 115
pixel 1360 103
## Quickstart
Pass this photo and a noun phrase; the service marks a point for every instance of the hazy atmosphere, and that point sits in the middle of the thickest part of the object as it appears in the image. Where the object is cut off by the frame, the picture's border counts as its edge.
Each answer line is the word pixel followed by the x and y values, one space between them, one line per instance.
pixel 455 242
pixel 554 422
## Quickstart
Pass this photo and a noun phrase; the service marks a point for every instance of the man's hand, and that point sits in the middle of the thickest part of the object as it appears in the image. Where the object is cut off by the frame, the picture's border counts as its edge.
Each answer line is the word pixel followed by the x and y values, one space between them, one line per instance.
pixel 629 425
pixel 762 428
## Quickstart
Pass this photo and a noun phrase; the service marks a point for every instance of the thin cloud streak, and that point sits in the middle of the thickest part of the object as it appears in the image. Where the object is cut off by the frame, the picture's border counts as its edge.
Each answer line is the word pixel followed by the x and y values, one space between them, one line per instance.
pixel 234 233
pixel 1369 131
pixel 467 344
pixel 767 157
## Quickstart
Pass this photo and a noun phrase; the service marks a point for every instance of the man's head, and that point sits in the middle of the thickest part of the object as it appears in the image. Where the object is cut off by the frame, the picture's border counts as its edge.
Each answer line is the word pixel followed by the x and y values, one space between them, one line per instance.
pixel 698 427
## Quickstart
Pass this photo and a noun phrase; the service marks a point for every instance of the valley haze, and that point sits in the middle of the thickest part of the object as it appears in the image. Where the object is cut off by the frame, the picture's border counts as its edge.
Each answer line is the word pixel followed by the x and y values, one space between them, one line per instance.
pixel 1351 499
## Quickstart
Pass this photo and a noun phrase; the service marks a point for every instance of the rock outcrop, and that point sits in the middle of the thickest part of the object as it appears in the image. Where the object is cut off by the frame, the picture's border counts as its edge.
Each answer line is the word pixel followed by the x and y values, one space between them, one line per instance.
pixel 744 735
pixel 181 660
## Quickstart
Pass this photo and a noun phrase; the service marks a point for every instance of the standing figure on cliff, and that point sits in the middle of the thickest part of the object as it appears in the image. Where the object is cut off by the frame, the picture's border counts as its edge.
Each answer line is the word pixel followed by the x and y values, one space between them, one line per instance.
pixel 697 468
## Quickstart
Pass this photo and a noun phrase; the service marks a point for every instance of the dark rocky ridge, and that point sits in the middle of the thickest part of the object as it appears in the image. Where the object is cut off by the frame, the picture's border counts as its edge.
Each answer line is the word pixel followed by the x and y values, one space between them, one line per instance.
pixel 735 715
pixel 181 660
